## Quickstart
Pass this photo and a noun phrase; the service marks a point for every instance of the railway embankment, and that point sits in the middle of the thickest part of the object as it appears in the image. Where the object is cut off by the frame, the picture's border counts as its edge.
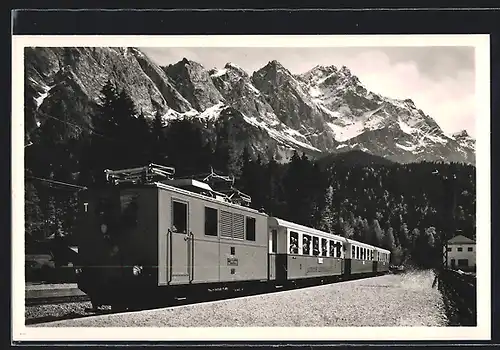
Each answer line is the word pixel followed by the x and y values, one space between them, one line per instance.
pixel 407 299
pixel 459 293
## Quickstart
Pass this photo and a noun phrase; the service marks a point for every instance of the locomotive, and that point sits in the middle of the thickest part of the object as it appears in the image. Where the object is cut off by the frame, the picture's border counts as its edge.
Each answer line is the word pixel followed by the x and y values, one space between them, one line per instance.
pixel 147 235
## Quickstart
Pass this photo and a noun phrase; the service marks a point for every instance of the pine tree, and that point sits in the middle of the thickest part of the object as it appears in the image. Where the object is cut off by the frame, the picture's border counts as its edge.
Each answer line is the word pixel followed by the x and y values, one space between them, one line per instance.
pixel 158 151
pixel 327 215
pixel 273 200
pixel 294 187
pixel 346 229
pixel 100 153
pixel 184 147
pixel 389 242
pixel 246 171
pixel 378 233
pixel 367 232
pixel 33 213
pixel 413 238
pixel 223 148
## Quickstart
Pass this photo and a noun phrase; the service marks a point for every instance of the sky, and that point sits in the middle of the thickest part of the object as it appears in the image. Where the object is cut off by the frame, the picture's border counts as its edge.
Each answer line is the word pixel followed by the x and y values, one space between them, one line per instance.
pixel 440 80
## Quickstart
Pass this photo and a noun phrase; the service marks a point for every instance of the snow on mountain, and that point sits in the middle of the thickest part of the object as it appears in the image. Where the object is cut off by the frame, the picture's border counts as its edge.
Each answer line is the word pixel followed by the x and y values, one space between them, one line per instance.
pixel 325 110
pixel 361 115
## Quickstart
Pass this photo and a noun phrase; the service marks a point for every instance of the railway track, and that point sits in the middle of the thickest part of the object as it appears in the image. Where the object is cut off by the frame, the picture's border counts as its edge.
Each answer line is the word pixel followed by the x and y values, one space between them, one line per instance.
pixel 54 300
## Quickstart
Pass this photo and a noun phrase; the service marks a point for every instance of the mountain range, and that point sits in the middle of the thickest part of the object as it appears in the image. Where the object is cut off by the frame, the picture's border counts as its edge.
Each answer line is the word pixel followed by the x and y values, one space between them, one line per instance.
pixel 324 111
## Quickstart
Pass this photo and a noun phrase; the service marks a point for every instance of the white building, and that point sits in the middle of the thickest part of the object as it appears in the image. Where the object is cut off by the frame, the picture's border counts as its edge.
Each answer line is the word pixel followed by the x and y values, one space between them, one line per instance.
pixel 461 253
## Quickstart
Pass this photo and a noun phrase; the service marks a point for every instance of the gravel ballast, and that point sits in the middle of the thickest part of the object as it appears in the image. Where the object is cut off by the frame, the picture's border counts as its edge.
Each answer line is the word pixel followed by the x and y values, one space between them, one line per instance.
pixel 51 312
pixel 407 299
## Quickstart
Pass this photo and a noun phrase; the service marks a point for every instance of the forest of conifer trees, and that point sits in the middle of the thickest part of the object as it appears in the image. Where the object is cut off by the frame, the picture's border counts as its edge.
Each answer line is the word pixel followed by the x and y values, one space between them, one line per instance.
pixel 406 208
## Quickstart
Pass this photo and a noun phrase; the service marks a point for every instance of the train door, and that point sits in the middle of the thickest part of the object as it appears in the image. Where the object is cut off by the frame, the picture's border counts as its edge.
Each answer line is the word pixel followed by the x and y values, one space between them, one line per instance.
pixel 180 244
pixel 273 249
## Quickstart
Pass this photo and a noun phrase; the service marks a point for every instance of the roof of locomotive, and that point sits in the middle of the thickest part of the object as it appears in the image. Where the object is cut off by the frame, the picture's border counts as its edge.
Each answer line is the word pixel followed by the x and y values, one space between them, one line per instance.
pixel 164 186
pixel 280 222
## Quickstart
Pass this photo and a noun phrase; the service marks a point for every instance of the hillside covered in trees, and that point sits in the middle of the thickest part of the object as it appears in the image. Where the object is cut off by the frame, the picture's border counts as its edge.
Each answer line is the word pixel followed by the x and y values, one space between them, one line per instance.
pixel 403 207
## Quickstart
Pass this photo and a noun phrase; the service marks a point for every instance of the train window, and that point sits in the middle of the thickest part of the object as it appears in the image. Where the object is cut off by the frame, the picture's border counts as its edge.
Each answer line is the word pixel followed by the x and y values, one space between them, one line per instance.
pixel 306 245
pixel 339 249
pixel 332 249
pixel 353 255
pixel 324 247
pixel 315 246
pixel 250 229
pixel 211 224
pixel 371 254
pixel 274 241
pixel 180 211
pixel 294 242
pixel 469 249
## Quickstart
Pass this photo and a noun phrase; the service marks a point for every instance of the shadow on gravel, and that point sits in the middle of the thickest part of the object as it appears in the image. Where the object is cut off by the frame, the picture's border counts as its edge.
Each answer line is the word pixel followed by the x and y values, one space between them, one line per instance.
pixel 189 300
pixel 36 320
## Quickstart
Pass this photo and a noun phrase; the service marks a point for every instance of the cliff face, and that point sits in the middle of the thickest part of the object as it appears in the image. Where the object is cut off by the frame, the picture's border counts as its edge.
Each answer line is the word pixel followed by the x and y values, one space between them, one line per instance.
pixel 326 110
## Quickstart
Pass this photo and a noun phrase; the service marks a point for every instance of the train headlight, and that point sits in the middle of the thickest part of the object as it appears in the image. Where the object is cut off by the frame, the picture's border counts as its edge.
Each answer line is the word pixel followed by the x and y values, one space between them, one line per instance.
pixel 104 228
pixel 137 270
pixel 78 270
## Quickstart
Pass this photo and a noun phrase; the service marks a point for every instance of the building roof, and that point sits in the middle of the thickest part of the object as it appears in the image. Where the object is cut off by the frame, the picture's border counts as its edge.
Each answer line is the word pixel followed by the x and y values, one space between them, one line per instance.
pixel 460 239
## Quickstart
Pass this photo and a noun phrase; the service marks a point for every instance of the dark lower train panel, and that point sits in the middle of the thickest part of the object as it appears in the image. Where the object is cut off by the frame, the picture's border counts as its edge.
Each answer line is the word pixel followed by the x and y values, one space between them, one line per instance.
pixel 283 270
pixel 347 268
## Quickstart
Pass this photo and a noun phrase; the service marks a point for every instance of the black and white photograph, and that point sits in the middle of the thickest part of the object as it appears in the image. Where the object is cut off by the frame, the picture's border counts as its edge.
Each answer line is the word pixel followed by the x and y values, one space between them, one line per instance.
pixel 251 187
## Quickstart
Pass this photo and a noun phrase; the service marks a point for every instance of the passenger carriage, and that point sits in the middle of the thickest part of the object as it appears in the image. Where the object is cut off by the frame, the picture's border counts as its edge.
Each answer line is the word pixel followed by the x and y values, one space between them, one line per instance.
pixel 383 260
pixel 300 252
pixel 365 259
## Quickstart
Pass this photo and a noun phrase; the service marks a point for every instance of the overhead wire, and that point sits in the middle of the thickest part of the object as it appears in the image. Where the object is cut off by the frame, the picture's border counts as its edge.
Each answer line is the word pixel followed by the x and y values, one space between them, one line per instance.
pixel 55 182
pixel 80 128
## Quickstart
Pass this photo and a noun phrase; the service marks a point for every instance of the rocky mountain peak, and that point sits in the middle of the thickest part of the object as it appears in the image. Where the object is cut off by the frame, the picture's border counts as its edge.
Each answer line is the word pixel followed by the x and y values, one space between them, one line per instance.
pixel 345 71
pixel 325 110
pixel 410 102
pixel 193 81
pixel 461 134
pixel 273 68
